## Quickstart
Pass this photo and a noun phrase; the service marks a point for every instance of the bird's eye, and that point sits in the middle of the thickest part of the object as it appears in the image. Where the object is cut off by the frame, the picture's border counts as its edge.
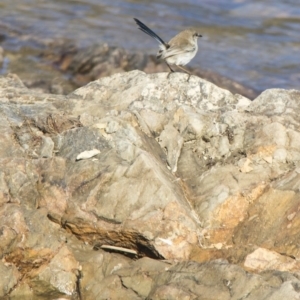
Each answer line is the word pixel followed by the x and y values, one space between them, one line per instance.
pixel 197 35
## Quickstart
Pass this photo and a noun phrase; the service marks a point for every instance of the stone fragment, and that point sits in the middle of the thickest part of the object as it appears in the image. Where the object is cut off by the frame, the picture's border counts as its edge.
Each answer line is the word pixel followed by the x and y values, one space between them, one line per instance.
pixel 87 154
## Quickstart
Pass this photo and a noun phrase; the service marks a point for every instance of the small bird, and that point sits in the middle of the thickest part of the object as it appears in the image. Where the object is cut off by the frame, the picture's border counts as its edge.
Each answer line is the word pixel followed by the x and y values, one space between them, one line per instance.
pixel 179 51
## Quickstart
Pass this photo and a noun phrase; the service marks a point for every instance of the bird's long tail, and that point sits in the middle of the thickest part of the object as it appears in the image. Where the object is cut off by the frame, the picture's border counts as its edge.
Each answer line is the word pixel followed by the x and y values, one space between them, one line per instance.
pixel 148 31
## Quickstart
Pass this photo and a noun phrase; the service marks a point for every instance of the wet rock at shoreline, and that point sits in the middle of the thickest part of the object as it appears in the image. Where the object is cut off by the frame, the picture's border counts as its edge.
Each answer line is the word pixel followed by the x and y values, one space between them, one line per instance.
pixel 1 56
pixel 61 67
pixel 98 61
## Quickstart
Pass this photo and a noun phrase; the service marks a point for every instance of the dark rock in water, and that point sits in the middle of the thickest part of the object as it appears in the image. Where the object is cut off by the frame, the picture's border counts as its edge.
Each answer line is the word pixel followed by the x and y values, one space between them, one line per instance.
pixel 140 187
pixel 75 67
pixel 1 55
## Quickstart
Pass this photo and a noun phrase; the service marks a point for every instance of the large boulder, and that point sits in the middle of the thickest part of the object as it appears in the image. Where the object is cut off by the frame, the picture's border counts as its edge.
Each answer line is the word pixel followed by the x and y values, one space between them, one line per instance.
pixel 151 168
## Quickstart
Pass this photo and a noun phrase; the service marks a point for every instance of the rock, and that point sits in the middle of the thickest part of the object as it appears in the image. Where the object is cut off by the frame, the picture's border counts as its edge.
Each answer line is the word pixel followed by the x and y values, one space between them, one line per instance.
pixel 229 282
pixel 9 278
pixel 59 277
pixel 47 147
pixel 192 187
pixel 1 56
pixel 263 259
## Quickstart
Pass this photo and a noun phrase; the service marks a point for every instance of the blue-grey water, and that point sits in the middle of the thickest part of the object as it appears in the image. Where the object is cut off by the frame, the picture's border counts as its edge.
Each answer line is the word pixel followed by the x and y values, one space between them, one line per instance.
pixel 255 42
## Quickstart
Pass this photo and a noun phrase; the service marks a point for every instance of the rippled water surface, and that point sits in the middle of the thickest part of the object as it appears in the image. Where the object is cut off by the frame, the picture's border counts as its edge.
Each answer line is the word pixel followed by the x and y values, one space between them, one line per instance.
pixel 254 42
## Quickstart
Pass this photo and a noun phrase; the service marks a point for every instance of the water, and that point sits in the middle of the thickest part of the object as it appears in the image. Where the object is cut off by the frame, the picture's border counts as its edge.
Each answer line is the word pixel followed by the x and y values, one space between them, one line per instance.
pixel 254 42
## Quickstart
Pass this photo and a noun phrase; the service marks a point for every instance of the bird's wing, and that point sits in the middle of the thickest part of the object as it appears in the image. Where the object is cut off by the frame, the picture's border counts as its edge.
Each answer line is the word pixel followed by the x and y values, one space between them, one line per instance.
pixel 175 50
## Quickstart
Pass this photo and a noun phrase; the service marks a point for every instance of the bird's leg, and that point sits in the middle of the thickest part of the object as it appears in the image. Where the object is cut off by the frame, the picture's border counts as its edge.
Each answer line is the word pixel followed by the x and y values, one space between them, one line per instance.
pixel 186 71
pixel 172 71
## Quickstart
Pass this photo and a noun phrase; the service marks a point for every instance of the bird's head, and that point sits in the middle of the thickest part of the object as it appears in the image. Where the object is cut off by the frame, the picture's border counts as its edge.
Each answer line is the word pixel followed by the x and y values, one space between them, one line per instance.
pixel 196 35
pixel 193 33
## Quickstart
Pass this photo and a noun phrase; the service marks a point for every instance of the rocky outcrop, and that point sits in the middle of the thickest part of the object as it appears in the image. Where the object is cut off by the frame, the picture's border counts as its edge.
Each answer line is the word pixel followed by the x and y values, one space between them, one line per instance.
pixel 138 186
